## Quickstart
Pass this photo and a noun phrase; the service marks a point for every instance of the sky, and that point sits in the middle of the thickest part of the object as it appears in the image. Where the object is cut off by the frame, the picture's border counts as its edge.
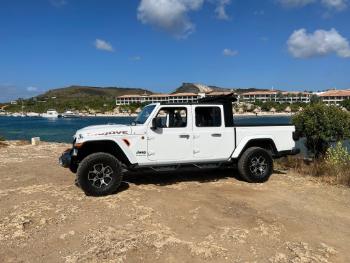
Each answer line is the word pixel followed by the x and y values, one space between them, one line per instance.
pixel 159 44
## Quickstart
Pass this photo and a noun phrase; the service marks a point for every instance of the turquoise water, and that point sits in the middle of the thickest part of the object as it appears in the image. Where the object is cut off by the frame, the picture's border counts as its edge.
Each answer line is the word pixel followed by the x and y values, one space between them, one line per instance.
pixel 51 130
pixel 62 130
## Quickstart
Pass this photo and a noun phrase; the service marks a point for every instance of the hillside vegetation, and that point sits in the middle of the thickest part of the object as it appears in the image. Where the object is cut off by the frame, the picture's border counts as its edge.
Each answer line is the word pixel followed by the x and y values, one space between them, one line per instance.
pixel 80 98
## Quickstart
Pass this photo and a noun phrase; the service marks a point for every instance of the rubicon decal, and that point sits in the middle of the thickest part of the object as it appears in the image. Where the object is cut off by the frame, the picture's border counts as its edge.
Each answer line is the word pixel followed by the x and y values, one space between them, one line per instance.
pixel 112 133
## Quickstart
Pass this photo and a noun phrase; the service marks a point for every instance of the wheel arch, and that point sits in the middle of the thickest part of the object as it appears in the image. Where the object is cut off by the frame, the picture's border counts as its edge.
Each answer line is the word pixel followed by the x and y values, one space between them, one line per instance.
pixel 108 146
pixel 265 143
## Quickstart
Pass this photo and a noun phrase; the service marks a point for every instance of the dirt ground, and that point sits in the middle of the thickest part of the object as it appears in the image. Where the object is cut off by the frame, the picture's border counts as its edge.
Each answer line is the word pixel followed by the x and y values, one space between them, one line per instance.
pixel 184 217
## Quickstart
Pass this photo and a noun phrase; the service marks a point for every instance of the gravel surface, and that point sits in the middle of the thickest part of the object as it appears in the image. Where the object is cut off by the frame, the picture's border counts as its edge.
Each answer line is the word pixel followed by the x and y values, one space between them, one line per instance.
pixel 180 217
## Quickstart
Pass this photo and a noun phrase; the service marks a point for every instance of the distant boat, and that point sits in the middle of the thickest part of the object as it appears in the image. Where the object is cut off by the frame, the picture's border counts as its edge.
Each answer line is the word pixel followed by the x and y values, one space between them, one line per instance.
pixel 16 114
pixel 70 114
pixel 50 114
pixel 33 114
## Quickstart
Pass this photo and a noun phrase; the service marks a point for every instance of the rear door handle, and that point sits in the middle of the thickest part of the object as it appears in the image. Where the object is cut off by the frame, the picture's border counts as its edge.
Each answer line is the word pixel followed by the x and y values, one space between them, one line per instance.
pixel 216 134
pixel 186 136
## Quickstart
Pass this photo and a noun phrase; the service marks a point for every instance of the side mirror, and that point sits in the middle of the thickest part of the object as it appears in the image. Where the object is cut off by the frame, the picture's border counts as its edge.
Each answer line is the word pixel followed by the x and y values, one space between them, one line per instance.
pixel 157 123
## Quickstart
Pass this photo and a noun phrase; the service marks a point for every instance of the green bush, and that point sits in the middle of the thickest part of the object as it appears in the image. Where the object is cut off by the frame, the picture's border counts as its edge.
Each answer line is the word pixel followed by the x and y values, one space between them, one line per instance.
pixel 337 160
pixel 346 104
pixel 321 125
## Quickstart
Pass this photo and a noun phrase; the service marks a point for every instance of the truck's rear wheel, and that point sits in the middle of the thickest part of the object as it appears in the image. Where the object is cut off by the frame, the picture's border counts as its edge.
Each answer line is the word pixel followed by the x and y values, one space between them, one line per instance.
pixel 99 174
pixel 255 165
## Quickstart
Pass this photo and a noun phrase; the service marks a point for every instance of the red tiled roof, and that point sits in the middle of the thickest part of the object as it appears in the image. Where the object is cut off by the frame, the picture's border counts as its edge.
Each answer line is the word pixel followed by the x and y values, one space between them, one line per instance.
pixel 336 93
pixel 185 94
pixel 267 92
pixel 273 92
pixel 142 96
pixel 130 96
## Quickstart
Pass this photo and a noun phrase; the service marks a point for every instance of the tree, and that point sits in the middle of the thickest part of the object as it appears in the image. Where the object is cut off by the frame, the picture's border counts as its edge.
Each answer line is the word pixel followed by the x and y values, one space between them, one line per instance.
pixel 321 125
pixel 315 99
pixel 346 104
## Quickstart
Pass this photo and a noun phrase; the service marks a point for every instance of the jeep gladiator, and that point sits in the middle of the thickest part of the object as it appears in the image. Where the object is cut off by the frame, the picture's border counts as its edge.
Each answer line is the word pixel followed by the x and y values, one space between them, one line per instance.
pixel 166 137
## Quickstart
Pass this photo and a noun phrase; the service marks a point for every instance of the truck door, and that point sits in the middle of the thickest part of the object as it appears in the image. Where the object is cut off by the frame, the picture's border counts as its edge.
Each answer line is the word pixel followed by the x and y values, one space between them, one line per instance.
pixel 173 141
pixel 211 139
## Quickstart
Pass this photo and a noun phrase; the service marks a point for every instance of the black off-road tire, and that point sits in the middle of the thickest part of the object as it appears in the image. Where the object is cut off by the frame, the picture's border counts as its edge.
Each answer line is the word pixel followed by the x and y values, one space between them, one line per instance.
pixel 92 174
pixel 255 165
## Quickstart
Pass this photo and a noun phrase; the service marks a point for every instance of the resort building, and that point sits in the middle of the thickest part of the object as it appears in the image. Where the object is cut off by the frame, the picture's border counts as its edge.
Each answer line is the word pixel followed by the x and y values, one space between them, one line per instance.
pixel 138 99
pixel 192 92
pixel 334 97
pixel 168 98
pixel 276 96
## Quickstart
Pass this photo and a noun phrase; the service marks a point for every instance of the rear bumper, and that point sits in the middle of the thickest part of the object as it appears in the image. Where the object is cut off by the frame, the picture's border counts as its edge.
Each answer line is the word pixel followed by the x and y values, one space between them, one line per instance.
pixel 294 151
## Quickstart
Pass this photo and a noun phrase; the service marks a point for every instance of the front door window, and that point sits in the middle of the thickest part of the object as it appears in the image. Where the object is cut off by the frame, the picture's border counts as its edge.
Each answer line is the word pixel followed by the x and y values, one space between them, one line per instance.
pixel 173 117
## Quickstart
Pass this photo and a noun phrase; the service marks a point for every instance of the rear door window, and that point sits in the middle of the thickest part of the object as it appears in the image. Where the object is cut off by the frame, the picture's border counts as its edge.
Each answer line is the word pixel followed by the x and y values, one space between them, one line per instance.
pixel 208 116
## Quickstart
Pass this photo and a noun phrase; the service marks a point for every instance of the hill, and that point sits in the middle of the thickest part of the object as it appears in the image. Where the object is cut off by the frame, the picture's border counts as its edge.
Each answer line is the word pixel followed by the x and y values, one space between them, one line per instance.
pixel 197 88
pixel 82 98
pixel 89 92
pixel 200 88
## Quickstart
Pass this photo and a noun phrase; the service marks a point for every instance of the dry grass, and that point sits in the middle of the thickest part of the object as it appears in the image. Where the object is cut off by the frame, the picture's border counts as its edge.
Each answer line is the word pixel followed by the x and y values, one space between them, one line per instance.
pixel 319 169
pixel 22 142
pixel 3 144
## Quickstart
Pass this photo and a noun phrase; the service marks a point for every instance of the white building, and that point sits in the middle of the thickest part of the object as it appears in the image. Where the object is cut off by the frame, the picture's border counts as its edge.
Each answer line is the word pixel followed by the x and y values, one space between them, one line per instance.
pixel 167 98
pixel 276 96
pixel 138 99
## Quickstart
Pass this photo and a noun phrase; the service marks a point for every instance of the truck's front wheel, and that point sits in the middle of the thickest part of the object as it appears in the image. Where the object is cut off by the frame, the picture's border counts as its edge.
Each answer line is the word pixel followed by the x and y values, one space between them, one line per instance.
pixel 99 174
pixel 255 165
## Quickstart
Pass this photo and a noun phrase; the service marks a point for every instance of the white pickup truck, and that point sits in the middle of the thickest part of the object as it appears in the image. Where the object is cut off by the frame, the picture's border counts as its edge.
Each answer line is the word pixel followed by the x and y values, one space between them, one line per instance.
pixel 167 137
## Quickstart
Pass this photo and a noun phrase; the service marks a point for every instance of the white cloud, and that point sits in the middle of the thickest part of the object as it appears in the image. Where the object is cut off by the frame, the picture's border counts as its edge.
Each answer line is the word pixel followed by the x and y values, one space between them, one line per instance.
pixel 229 52
pixel 169 15
pixel 296 3
pixel 338 5
pixel 319 43
pixel 135 58
pixel 58 3
pixel 32 89
pixel 172 16
pixel 220 9
pixel 103 45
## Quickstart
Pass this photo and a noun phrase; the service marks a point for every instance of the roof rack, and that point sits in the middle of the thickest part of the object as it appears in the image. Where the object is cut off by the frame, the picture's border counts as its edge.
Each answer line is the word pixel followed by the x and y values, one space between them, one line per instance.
pixel 219 99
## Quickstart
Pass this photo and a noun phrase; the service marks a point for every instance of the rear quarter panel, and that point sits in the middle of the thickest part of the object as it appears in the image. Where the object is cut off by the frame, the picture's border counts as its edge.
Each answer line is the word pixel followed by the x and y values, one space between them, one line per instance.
pixel 282 136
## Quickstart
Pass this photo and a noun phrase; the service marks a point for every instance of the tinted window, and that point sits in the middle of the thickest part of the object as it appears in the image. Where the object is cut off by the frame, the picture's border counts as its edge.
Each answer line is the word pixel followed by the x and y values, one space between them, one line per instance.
pixel 208 117
pixel 173 117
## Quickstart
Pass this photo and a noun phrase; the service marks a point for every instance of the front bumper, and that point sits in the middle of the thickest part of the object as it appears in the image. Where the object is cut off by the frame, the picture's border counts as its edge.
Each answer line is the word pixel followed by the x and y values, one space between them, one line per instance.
pixel 65 159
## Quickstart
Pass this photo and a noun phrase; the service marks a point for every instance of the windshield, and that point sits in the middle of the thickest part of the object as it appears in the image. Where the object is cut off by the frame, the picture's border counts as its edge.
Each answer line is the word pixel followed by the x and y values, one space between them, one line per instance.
pixel 144 114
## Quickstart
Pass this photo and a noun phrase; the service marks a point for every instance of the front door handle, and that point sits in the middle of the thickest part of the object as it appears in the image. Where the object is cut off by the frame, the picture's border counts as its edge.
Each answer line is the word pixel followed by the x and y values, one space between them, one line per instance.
pixel 186 136
pixel 216 134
